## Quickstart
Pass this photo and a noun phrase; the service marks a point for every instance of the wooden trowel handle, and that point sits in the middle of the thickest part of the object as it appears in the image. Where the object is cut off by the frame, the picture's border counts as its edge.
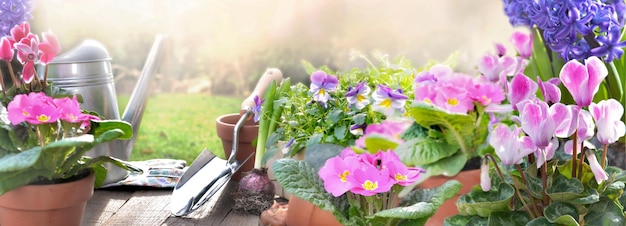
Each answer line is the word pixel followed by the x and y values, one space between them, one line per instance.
pixel 271 74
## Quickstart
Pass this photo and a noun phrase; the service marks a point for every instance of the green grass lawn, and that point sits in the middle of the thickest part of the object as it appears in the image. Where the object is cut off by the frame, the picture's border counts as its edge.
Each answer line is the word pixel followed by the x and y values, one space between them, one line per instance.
pixel 180 126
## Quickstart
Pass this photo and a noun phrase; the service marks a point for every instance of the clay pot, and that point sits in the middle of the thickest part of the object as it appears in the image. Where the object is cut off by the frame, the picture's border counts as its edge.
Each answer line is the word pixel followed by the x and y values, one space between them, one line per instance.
pixel 304 213
pixel 50 204
pixel 248 133
pixel 468 179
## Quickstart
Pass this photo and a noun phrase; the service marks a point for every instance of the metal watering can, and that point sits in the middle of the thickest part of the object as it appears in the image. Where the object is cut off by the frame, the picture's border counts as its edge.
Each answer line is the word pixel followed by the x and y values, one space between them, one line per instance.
pixel 86 70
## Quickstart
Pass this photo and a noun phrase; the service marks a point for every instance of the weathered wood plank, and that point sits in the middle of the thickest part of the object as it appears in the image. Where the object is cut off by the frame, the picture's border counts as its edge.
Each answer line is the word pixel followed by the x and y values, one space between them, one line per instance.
pixel 103 205
pixel 148 207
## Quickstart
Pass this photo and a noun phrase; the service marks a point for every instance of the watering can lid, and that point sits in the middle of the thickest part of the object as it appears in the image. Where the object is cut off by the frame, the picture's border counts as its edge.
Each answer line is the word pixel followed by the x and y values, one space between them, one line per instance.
pixel 87 51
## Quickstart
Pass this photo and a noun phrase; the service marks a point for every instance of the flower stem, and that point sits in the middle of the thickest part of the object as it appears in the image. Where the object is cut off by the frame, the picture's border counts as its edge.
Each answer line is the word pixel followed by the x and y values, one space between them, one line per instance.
pixel 604 150
pixel 532 209
pixel 580 164
pixel 544 179
pixel 574 153
pixel 16 82
pixel 4 92
pixel 495 164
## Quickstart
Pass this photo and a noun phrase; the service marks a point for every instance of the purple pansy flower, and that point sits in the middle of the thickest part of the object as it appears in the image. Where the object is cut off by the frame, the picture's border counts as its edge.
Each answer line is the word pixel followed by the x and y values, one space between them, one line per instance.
pixel 358 96
pixel 388 101
pixel 257 108
pixel 321 85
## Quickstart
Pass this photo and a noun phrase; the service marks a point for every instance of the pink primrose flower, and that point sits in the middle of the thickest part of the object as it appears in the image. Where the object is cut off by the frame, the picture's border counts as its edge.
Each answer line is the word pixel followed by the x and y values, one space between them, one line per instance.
pixel 583 81
pixel 369 180
pixel 486 93
pixel 34 108
pixel 337 172
pixel 608 114
pixel 69 109
pixel 453 99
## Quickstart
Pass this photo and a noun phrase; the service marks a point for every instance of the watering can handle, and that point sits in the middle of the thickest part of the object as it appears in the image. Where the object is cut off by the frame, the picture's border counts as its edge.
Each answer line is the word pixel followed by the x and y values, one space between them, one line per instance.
pixel 271 74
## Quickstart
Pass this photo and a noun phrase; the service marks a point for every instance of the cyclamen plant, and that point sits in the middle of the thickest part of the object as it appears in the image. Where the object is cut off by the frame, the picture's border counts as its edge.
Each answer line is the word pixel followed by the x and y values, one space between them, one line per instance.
pixel 543 180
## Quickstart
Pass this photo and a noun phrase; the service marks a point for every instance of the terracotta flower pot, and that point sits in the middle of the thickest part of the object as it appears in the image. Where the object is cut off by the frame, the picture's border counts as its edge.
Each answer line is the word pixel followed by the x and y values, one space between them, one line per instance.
pixel 304 213
pixel 249 131
pixel 50 204
pixel 467 178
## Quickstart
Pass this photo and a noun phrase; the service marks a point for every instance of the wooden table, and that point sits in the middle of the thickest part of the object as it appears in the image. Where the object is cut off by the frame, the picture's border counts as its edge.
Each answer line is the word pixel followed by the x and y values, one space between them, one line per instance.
pixel 151 207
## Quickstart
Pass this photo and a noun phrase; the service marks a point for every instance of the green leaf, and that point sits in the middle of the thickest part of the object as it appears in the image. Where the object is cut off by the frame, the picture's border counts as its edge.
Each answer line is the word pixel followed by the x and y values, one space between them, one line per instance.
pixel 605 213
pixel 335 115
pixel 458 128
pixel 5 141
pixel 423 150
pixel 376 142
pixel 508 218
pixel 564 189
pixel 540 59
pixel 463 220
pixel 614 190
pixel 19 161
pixel 556 210
pixel 540 221
pixel 359 119
pixel 16 179
pixel 340 132
pixel 103 126
pixel 449 166
pixel 317 154
pixel 591 197
pixel 308 67
pixel 478 202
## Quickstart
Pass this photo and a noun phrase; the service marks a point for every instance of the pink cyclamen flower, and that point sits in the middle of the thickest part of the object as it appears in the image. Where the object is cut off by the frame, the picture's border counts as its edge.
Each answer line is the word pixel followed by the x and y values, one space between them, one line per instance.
pixel 49 47
pixel 369 180
pixel 6 50
pixel 336 173
pixel 523 43
pixel 500 49
pixel 509 145
pixel 493 68
pixel 540 121
pixel 321 85
pixel 521 88
pixel 596 168
pixel 388 101
pixel 358 96
pixel 485 181
pixel 583 81
pixel 19 32
pixel 608 114
pixel 27 53
pixel 550 90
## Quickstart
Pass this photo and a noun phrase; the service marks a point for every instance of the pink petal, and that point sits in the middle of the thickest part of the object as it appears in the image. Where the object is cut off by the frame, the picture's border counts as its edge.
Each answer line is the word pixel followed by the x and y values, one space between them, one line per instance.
pixel 572 75
pixel 597 170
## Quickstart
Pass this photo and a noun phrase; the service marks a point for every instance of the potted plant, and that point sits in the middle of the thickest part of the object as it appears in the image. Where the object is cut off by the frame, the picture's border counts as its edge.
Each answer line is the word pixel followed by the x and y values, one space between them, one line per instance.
pixel 548 173
pixel 43 138
pixel 361 186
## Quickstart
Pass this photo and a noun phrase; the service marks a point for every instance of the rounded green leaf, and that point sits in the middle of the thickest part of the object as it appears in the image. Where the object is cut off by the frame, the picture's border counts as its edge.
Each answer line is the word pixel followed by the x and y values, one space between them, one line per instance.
pixel 423 150
pixel 605 213
pixel 556 210
pixel 478 202
pixel 508 218
pixel 564 189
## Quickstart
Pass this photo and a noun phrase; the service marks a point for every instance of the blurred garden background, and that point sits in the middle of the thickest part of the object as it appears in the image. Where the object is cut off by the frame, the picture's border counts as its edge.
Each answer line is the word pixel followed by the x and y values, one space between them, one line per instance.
pixel 217 50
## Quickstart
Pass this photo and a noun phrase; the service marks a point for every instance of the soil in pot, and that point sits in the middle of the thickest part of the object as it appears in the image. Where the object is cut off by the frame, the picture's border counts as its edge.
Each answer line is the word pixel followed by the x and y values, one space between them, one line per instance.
pixel 47 204
pixel 248 133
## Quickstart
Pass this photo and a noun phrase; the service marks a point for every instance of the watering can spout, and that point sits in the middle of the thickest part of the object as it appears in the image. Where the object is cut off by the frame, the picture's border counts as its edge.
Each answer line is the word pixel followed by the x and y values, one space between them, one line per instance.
pixel 133 112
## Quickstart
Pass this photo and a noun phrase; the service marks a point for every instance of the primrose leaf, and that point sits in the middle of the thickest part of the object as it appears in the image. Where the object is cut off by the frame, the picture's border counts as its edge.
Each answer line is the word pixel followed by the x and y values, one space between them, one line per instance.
pixel 19 161
pixel 449 166
pixel 423 150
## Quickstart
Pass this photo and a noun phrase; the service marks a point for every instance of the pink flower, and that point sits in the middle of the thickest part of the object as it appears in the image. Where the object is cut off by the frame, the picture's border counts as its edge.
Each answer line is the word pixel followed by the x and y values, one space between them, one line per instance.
pixel 36 108
pixel 539 121
pixel 27 53
pixel 493 68
pixel 523 43
pixel 389 129
pixel 521 88
pixel 368 180
pixel 19 32
pixel 69 109
pixel 453 99
pixel 550 90
pixel 49 47
pixel 583 81
pixel 336 174
pixel 485 181
pixel 598 171
pixel 6 50
pixel 486 93
pixel 509 146
pixel 608 114
pixel 401 174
